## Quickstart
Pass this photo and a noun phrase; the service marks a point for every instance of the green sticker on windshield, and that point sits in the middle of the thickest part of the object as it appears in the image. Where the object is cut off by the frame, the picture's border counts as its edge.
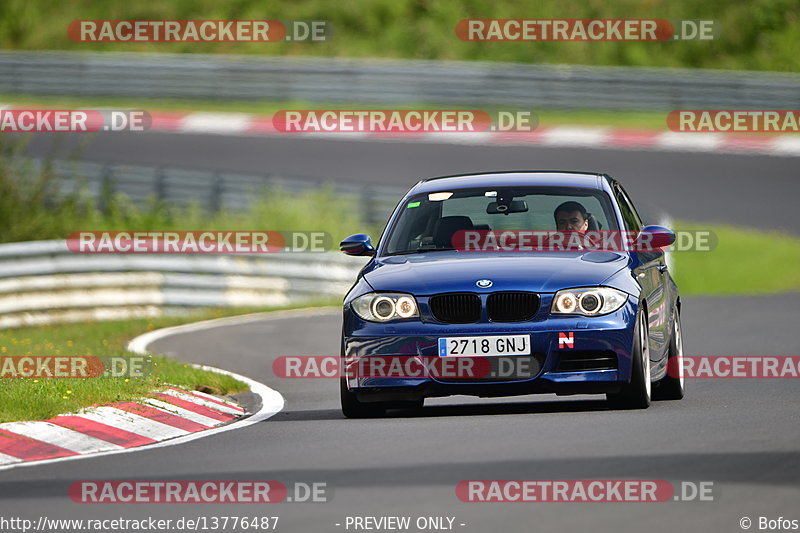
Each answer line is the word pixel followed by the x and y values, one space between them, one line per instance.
pixel 412 204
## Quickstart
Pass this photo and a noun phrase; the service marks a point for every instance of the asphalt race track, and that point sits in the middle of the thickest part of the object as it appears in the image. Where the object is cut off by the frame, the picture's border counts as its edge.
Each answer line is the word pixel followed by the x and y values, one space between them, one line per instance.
pixel 740 434
pixel 743 435
pixel 753 190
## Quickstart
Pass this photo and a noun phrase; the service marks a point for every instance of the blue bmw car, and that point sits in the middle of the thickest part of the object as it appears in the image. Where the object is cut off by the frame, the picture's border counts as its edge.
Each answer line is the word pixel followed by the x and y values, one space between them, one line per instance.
pixel 567 320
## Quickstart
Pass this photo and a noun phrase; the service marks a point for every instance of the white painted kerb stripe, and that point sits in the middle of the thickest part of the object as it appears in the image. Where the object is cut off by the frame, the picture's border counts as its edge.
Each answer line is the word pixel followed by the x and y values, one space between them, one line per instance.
pixel 7 459
pixel 219 399
pixel 216 122
pixel 788 145
pixel 694 142
pixel 202 401
pixel 133 423
pixel 60 436
pixel 575 136
pixel 181 412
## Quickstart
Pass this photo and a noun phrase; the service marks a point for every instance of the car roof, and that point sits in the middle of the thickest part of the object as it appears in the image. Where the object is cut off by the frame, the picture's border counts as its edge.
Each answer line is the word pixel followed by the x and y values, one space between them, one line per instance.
pixel 515 178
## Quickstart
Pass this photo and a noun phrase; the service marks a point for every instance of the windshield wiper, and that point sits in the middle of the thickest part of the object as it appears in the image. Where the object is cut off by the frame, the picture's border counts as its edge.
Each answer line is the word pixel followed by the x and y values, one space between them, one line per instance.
pixel 423 250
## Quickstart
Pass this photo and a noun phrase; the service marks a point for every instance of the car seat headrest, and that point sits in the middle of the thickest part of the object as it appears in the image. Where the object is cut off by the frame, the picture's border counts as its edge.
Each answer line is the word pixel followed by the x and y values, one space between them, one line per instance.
pixel 447 227
pixel 593 224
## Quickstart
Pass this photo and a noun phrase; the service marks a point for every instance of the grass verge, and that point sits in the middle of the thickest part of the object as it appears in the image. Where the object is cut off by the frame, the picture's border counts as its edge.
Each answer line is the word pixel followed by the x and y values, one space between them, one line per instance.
pixel 745 261
pixel 40 399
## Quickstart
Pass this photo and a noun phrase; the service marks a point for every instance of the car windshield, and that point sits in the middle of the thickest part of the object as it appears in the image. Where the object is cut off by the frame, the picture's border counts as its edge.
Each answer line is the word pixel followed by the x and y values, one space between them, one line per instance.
pixel 429 221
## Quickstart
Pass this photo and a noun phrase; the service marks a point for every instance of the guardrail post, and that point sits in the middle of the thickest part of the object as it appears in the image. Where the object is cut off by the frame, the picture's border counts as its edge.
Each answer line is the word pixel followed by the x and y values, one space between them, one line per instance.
pixel 368 203
pixel 106 188
pixel 161 184
pixel 217 190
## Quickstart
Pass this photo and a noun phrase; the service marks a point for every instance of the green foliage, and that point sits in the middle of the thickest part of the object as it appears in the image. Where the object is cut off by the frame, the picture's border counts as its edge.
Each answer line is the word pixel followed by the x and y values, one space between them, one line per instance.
pixel 31 208
pixel 755 34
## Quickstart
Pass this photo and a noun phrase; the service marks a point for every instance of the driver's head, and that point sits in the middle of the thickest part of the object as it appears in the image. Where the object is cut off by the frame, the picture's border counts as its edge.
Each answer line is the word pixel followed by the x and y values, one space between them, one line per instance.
pixel 571 216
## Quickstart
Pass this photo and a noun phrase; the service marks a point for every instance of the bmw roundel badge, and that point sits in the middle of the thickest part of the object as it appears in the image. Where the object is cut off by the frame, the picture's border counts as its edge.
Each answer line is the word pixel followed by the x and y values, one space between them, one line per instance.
pixel 484 283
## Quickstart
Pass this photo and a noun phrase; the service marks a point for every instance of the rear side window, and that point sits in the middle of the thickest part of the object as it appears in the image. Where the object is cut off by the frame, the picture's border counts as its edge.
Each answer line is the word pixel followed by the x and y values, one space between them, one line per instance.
pixel 629 215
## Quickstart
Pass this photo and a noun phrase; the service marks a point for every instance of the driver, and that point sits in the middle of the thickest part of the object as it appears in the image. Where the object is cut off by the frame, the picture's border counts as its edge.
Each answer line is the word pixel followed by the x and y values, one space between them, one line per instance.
pixel 571 216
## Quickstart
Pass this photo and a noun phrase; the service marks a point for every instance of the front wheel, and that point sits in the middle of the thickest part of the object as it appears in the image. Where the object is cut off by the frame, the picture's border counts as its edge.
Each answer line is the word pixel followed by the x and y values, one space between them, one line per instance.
pixel 671 386
pixel 636 393
pixel 352 408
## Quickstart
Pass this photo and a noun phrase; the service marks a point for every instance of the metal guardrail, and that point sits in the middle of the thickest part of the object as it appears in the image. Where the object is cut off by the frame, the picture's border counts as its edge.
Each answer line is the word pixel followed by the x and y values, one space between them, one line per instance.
pixel 391 82
pixel 42 282
pixel 211 191
pixel 219 190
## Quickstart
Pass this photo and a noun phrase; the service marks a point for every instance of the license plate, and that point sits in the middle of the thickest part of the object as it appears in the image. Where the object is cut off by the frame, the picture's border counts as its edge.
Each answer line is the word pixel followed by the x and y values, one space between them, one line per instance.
pixel 485 346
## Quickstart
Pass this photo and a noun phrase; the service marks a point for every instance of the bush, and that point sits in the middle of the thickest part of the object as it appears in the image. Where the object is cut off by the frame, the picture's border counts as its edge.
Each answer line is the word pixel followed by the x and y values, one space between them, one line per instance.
pixel 33 208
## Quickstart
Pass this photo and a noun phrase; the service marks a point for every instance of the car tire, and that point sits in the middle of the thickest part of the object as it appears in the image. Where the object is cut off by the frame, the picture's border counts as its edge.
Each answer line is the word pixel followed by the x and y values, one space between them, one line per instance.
pixel 410 405
pixel 353 408
pixel 669 387
pixel 636 393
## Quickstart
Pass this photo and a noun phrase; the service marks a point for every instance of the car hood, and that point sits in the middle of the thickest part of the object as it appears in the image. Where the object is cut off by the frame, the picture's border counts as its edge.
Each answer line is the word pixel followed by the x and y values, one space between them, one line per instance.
pixel 432 273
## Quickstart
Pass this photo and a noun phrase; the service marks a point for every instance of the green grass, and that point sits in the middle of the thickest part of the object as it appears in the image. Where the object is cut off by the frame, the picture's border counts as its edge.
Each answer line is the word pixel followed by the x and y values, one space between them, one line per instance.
pixel 745 261
pixel 758 34
pixel 40 399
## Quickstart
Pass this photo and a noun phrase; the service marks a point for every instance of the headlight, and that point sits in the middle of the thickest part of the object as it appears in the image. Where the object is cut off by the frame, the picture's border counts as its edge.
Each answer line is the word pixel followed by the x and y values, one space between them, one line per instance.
pixel 591 301
pixel 382 307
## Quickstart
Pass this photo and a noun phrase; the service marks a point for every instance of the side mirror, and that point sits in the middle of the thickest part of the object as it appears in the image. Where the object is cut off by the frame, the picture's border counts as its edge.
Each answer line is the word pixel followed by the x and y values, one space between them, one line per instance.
pixel 358 244
pixel 652 238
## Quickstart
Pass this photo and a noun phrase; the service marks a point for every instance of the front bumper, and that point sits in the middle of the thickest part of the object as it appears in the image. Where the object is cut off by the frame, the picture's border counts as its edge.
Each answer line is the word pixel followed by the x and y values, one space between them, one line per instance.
pixel 597 361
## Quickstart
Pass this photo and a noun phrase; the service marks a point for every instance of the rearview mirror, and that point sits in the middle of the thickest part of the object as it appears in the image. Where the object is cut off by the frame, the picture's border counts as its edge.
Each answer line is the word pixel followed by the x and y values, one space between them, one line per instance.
pixel 515 206
pixel 358 244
